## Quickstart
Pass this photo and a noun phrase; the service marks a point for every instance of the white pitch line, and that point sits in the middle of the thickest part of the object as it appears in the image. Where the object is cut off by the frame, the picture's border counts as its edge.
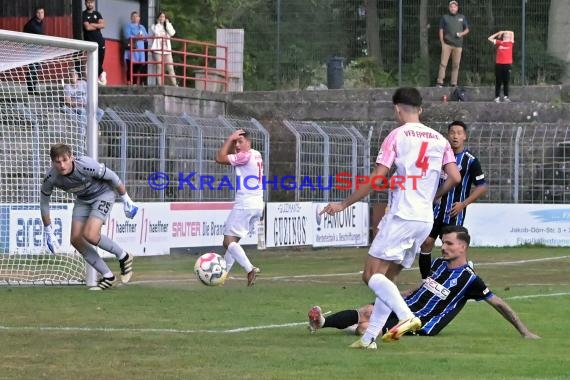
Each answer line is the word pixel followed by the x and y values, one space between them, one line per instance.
pixel 522 261
pixel 146 330
pixel 195 331
pixel 536 296
pixel 477 264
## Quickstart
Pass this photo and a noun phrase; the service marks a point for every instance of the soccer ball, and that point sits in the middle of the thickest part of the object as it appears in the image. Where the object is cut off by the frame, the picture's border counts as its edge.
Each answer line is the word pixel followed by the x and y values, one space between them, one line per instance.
pixel 211 269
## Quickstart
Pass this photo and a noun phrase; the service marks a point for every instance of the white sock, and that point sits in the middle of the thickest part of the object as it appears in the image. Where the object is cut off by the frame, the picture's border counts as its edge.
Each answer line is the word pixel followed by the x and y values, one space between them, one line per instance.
pixel 388 292
pixel 229 261
pixel 92 257
pixel 239 255
pixel 378 319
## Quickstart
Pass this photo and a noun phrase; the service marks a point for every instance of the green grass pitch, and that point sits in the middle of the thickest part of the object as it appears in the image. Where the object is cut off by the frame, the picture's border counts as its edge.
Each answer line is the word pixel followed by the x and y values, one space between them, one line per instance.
pixel 166 325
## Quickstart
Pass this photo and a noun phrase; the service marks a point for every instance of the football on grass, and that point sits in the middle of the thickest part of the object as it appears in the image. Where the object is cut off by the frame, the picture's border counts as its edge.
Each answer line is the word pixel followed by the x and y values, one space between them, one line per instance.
pixel 211 269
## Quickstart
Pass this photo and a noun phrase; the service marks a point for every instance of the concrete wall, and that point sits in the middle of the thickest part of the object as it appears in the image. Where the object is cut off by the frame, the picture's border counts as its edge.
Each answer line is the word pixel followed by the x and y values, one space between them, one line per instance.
pixel 534 106
pixel 551 102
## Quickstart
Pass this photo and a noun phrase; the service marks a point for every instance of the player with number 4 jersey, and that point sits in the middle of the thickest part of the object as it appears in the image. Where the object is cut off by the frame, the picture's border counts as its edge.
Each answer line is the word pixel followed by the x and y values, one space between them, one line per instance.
pixel 416 151
pixel 94 186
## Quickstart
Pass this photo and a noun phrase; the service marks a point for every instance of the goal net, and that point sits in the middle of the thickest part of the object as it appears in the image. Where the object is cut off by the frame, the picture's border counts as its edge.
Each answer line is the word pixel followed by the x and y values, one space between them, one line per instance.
pixel 40 89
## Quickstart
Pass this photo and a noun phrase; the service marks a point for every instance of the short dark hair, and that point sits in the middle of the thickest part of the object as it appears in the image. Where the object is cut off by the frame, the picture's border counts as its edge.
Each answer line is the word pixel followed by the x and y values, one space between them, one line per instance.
pixel 462 233
pixel 407 95
pixel 457 122
pixel 58 150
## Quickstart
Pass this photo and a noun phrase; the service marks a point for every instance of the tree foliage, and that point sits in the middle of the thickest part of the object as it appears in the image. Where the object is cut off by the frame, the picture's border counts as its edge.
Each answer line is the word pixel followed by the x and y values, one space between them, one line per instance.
pixel 288 42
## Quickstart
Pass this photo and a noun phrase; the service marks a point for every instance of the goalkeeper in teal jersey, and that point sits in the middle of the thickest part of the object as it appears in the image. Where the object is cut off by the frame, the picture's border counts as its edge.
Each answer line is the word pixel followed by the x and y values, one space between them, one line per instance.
pixel 94 186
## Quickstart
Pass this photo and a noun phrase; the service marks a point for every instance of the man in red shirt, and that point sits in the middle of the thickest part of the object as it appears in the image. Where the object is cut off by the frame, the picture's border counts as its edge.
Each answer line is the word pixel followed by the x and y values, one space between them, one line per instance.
pixel 504 41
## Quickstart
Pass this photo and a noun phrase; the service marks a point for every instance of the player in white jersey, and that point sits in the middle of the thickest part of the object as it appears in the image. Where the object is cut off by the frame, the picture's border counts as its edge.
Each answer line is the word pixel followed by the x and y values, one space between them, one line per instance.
pixel 94 186
pixel 248 208
pixel 419 154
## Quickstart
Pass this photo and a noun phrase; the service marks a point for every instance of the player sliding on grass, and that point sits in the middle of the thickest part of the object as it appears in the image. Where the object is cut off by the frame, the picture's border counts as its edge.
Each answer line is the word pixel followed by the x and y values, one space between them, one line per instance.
pixel 437 301
pixel 415 150
pixel 94 186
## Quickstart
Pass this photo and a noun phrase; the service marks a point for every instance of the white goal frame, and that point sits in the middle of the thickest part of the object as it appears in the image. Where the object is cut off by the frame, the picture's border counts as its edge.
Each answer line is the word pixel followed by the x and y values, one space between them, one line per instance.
pixel 91 132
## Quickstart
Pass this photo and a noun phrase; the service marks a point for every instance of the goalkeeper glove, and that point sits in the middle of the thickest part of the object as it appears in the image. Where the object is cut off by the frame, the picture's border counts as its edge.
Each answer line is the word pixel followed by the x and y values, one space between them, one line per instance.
pixel 129 206
pixel 51 239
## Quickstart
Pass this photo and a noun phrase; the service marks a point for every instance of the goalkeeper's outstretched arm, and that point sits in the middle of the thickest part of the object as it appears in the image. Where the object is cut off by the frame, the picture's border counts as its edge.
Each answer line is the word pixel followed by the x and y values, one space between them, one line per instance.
pixel 49 236
pixel 44 209
pixel 45 195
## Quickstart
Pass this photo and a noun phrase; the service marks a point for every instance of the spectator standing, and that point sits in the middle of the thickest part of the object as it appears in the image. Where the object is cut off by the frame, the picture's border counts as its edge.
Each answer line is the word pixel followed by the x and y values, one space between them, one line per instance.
pixel 137 58
pixel 35 26
pixel 162 49
pixel 503 41
pixel 93 22
pixel 452 28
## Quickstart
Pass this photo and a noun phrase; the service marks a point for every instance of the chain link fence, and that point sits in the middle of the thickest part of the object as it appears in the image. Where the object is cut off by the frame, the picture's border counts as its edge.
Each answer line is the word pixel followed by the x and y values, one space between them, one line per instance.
pixel 386 43
pixel 323 152
pixel 172 158
pixel 523 162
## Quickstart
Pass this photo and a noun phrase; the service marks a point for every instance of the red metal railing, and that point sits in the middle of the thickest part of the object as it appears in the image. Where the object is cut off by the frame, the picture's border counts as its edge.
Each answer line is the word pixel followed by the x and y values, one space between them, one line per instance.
pixel 203 63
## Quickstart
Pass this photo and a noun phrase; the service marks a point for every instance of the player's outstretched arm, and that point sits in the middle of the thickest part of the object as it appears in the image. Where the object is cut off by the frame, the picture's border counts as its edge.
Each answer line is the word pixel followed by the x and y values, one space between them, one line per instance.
pixel 509 314
pixel 49 235
pixel 362 191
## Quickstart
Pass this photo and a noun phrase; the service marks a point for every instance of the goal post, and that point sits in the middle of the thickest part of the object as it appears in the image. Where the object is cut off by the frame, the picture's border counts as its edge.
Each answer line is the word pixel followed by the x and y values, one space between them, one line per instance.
pixel 39 107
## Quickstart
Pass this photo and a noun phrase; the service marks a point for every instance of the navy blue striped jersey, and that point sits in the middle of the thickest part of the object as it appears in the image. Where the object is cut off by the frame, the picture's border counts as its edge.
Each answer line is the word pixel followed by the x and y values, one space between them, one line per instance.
pixel 471 174
pixel 443 295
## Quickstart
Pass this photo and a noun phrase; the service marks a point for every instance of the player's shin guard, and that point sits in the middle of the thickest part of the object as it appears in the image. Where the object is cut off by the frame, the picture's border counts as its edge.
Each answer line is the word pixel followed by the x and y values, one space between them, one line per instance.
pixel 110 246
pixel 239 255
pixel 388 292
pixel 378 319
pixel 92 257
pixel 229 261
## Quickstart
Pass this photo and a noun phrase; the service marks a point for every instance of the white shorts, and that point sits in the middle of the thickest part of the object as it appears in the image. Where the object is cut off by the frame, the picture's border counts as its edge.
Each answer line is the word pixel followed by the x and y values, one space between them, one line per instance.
pixel 398 240
pixel 242 222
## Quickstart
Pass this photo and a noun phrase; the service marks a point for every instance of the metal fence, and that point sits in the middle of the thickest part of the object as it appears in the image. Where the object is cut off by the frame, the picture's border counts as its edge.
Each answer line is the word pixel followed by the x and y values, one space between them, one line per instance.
pixel 523 162
pixel 387 42
pixel 172 158
pixel 323 151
